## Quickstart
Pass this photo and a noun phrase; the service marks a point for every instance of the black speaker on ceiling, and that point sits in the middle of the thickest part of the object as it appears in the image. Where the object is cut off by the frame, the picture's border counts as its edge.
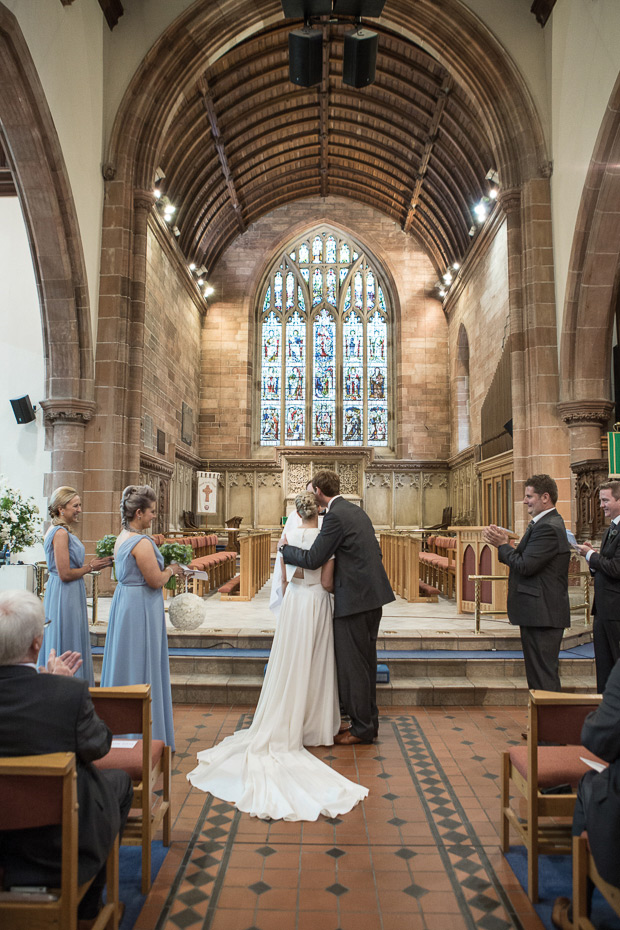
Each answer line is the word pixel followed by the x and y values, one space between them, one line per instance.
pixel 360 57
pixel 305 54
pixel 302 9
pixel 23 409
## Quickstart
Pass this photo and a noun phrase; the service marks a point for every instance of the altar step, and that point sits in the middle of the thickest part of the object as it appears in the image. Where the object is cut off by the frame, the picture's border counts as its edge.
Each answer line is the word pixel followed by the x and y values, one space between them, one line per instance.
pixel 429 676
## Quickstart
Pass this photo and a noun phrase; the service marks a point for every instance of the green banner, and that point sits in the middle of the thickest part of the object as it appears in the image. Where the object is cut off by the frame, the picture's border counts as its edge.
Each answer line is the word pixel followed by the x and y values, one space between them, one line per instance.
pixel 613 445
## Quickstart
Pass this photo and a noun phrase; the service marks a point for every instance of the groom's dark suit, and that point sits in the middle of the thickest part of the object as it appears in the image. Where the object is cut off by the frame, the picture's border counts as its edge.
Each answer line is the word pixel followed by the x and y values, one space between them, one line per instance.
pixel 41 713
pixel 605 566
pixel 361 587
pixel 538 596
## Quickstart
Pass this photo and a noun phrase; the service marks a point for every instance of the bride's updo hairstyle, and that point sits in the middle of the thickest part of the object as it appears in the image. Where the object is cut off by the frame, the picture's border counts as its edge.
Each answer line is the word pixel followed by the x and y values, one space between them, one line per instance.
pixel 135 497
pixel 306 505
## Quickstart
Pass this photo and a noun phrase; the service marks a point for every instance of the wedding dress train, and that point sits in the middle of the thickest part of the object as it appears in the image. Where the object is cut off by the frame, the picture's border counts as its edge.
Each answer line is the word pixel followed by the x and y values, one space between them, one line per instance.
pixel 265 769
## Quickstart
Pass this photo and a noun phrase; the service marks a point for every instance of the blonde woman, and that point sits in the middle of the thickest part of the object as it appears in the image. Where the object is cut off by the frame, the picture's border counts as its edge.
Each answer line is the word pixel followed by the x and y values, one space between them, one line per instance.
pixel 265 770
pixel 65 594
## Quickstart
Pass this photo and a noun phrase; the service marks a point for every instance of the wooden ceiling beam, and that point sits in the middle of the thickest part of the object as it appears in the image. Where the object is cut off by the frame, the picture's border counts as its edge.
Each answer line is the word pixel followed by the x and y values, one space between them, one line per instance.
pixel 440 104
pixel 220 147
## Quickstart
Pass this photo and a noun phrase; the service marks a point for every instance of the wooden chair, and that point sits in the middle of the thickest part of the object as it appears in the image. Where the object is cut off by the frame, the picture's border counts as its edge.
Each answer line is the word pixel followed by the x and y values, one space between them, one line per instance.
pixel 127 709
pixel 584 867
pixel 39 791
pixel 534 770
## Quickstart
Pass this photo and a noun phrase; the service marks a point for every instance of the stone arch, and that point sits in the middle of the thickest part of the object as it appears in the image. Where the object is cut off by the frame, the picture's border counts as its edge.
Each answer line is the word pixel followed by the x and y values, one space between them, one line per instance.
pixel 44 191
pixel 453 35
pixel 34 154
pixel 592 293
pixel 462 397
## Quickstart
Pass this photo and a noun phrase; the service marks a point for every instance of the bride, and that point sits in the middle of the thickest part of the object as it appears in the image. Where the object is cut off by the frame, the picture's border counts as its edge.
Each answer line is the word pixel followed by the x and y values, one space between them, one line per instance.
pixel 265 769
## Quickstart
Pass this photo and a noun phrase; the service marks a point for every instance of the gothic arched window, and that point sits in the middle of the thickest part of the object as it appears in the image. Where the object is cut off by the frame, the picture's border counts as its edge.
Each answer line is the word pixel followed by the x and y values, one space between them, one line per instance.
pixel 324 331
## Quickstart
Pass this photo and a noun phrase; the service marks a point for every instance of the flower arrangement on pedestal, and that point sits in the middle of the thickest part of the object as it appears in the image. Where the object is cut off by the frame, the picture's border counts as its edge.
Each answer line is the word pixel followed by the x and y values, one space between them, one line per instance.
pixel 20 523
pixel 175 552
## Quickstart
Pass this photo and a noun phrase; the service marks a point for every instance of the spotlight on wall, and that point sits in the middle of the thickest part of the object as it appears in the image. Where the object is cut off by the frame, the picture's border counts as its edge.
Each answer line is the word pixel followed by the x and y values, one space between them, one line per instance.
pixel 23 410
pixel 209 290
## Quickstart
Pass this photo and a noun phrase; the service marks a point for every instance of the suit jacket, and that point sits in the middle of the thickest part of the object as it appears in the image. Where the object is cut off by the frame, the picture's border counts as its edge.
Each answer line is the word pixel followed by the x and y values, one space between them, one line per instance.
pixel 601 735
pixel 360 581
pixel 42 713
pixel 605 567
pixel 538 579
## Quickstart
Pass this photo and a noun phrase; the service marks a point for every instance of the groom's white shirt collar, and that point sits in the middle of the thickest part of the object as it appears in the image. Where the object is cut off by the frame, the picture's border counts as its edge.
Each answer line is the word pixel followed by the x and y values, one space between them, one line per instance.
pixel 332 501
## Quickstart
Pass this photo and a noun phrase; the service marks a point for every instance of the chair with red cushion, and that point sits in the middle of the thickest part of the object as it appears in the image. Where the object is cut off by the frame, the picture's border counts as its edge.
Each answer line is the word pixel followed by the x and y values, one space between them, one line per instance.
pixel 127 709
pixel 534 770
pixel 41 791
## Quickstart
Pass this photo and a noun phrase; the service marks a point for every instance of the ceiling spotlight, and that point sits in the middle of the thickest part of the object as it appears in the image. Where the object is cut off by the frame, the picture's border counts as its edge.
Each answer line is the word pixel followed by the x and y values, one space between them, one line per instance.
pixel 209 290
pixel 442 292
pixel 176 231
pixel 192 267
pixel 492 176
pixel 455 266
pixel 481 211
pixel 200 282
pixel 156 193
pixel 447 278
pixel 471 231
pixel 493 193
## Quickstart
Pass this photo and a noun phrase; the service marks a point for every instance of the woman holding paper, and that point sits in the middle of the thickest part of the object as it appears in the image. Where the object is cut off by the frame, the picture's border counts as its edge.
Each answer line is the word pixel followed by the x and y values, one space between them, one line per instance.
pixel 136 646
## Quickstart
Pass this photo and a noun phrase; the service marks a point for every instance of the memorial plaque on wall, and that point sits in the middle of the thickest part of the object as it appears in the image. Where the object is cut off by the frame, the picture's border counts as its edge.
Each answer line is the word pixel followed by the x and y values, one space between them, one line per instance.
pixel 187 423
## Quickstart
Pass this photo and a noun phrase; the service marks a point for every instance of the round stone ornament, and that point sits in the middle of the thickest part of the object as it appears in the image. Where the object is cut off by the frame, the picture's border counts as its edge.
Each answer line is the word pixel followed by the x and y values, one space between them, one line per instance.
pixel 187 611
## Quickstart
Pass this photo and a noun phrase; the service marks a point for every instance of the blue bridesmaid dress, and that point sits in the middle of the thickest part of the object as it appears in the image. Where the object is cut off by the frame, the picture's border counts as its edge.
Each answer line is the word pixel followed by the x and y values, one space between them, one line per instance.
pixel 136 645
pixel 65 607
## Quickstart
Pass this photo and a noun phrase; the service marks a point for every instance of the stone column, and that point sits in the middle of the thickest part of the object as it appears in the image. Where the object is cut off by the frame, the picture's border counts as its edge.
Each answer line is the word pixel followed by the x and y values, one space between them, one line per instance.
pixel 65 420
pixel 586 420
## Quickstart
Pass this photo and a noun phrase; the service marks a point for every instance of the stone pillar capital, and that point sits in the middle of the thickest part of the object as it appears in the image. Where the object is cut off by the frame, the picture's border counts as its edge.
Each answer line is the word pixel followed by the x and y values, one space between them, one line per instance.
pixel 67 410
pixel 143 200
pixel 585 412
pixel 510 200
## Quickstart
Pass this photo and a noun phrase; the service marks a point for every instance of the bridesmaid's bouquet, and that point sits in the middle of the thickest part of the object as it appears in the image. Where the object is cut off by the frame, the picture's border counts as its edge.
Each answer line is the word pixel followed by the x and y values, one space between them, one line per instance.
pixel 175 552
pixel 105 547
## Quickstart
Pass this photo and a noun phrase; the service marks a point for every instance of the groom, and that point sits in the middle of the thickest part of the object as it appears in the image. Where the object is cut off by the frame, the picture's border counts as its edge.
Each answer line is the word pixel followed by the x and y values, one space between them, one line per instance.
pixel 361 587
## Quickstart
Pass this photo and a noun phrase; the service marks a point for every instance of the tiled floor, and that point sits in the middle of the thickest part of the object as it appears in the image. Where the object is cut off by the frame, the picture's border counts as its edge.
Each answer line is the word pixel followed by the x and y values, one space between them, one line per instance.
pixel 420 853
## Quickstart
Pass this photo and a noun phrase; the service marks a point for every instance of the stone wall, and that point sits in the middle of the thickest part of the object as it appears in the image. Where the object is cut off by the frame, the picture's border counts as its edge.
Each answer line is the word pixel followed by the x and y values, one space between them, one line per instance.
pixel 229 379
pixel 479 303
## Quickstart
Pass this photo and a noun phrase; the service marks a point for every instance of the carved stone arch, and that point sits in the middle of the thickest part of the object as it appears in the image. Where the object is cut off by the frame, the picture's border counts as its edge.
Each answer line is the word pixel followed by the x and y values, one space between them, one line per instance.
pixel 35 156
pixel 592 293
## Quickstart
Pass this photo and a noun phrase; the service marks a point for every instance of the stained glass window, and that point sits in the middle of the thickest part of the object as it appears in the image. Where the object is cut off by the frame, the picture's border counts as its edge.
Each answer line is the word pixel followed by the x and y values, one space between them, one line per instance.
pixel 324 355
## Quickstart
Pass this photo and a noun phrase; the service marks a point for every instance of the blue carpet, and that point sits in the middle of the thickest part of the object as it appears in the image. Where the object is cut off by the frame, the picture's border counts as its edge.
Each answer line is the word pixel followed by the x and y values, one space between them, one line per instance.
pixel 585 651
pixel 555 880
pixel 130 879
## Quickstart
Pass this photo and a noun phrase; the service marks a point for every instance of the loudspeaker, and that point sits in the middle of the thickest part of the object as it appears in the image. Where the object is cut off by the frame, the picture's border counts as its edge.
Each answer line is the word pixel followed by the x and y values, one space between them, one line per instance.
pixel 358 7
pixel 360 58
pixel 508 427
pixel 23 409
pixel 305 52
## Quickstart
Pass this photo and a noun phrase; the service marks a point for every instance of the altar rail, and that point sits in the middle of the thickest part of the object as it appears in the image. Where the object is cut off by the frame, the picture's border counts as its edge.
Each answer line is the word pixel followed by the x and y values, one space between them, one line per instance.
pixel 401 559
pixel 254 565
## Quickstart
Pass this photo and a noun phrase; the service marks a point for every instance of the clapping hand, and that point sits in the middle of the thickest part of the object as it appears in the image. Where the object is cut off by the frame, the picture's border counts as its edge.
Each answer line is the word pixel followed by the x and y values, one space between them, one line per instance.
pixel 496 535
pixel 66 664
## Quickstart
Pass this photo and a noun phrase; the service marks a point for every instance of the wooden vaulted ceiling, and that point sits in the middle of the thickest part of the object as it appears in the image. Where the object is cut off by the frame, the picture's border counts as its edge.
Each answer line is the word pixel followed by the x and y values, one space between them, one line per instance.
pixel 245 140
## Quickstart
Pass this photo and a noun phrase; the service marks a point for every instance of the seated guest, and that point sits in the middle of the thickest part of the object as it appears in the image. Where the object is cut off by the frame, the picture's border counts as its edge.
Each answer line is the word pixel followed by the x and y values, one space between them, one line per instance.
pixel 598 796
pixel 42 713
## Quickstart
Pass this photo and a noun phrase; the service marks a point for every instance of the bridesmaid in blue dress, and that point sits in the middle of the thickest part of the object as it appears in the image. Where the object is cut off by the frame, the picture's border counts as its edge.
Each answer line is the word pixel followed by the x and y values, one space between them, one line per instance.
pixel 65 593
pixel 136 646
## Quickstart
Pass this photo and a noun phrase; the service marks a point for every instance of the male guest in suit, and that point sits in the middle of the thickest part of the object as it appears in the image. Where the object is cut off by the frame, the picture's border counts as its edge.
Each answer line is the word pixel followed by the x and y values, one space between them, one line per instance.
pixel 41 713
pixel 605 566
pixel 361 587
pixel 598 796
pixel 538 582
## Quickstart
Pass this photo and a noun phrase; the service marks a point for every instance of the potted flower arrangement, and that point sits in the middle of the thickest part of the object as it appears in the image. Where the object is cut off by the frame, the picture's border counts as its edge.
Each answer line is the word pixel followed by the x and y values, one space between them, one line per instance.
pixel 175 552
pixel 20 523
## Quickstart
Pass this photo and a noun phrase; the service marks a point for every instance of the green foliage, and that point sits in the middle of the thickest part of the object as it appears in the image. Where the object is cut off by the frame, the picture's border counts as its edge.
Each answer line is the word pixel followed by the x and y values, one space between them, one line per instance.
pixel 20 523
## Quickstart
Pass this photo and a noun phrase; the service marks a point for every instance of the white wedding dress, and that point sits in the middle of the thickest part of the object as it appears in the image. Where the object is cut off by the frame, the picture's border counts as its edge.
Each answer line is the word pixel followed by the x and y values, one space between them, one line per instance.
pixel 265 769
